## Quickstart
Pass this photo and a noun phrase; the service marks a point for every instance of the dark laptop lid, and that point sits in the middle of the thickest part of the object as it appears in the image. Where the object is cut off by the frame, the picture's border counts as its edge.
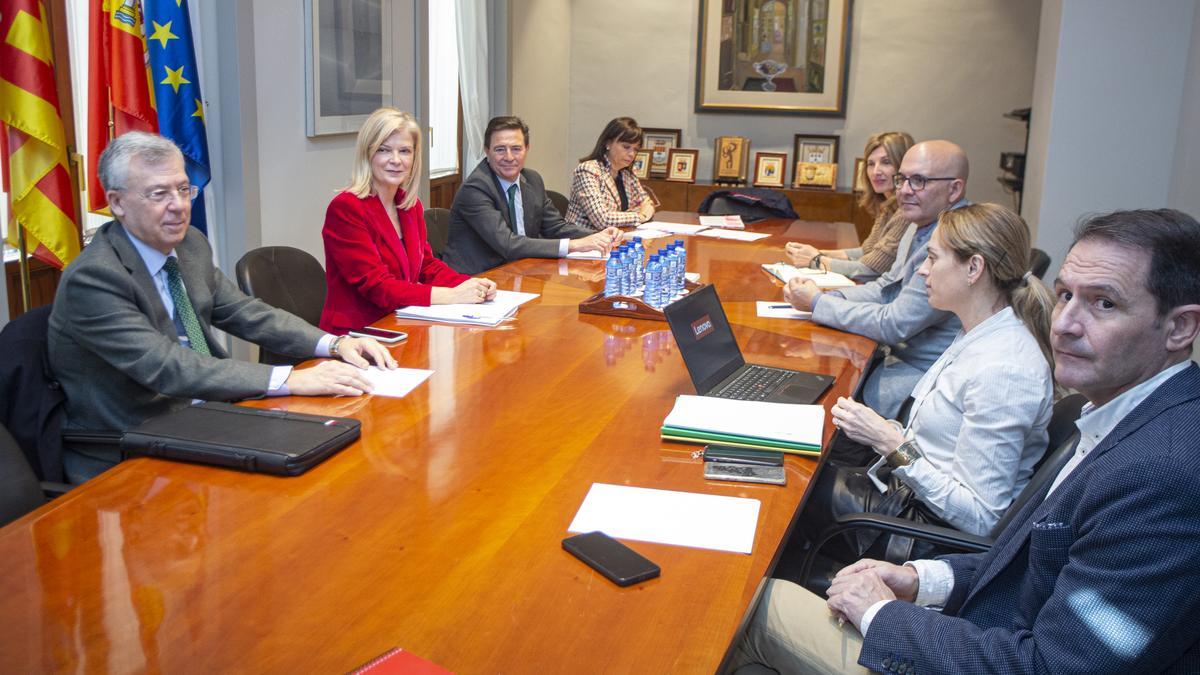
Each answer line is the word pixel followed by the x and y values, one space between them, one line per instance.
pixel 705 339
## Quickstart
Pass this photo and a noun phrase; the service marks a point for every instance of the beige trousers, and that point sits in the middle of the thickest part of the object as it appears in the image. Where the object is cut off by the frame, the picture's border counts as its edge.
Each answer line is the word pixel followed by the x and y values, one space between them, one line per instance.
pixel 793 631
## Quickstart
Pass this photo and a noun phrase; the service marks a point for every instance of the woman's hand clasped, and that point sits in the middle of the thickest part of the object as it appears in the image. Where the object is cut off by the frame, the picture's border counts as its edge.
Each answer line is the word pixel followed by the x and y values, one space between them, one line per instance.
pixel 866 426
pixel 471 291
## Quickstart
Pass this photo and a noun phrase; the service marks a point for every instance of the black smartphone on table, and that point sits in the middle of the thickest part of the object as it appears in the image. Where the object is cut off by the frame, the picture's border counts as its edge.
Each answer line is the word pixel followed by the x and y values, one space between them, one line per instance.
pixel 620 564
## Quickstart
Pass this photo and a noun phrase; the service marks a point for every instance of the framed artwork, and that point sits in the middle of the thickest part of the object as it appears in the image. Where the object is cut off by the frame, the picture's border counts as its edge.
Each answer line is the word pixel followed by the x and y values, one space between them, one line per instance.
pixel 731 159
pixel 860 185
pixel 815 149
pixel 778 56
pixel 815 175
pixel 659 142
pixel 769 169
pixel 681 165
pixel 641 164
pixel 347 64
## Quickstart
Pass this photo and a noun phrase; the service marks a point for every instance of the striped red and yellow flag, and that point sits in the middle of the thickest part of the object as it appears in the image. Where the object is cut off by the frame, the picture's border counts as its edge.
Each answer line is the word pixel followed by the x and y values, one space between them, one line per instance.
pixel 34 147
pixel 120 96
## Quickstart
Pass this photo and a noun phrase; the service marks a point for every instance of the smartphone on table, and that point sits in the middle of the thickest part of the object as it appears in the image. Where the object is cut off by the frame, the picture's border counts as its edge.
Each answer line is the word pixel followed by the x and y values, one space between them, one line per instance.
pixel 620 564
pixel 380 334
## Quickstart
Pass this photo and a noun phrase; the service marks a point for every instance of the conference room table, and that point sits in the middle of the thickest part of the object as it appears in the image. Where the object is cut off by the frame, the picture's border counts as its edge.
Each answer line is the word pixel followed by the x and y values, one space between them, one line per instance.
pixel 439 531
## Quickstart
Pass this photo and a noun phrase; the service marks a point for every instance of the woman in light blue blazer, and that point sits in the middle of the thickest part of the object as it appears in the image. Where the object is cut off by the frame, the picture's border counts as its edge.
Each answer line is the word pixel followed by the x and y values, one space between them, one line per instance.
pixel 977 426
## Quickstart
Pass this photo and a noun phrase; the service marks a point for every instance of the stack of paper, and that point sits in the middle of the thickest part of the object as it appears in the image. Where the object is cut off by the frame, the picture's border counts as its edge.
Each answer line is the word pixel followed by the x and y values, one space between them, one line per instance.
pixel 646 233
pixel 587 255
pixel 785 273
pixel 675 228
pixel 736 235
pixel 489 313
pixel 788 427
pixel 731 222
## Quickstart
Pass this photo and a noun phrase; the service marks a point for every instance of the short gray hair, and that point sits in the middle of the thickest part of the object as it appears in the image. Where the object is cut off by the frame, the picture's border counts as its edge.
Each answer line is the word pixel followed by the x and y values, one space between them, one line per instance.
pixel 114 161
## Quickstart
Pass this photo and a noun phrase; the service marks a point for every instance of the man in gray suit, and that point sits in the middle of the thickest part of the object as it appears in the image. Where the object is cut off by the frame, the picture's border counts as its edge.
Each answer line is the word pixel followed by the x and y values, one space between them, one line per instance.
pixel 894 309
pixel 502 213
pixel 131 330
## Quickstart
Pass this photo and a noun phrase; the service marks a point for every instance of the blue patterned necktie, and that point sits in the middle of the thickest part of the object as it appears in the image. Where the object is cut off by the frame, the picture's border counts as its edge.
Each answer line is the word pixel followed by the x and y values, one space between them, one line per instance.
pixel 184 310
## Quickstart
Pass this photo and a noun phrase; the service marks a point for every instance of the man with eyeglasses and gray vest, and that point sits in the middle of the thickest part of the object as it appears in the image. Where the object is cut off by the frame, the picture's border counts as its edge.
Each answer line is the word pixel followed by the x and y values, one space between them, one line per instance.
pixel 131 332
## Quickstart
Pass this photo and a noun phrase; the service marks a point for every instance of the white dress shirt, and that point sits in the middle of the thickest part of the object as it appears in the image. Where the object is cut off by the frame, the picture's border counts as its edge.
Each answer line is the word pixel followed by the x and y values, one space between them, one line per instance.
pixel 518 213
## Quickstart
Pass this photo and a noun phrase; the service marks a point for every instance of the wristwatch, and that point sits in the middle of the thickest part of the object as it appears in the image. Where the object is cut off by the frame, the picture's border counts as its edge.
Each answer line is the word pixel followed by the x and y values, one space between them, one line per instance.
pixel 333 346
pixel 906 453
pixel 815 263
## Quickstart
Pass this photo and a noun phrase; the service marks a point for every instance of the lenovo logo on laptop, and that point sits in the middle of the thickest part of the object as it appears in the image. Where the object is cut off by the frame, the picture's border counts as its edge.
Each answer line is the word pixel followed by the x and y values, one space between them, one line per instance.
pixel 702 326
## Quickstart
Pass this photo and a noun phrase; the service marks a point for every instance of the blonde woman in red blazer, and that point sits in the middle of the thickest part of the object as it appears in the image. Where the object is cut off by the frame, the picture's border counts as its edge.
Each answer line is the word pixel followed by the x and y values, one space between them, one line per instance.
pixel 377 255
pixel 604 191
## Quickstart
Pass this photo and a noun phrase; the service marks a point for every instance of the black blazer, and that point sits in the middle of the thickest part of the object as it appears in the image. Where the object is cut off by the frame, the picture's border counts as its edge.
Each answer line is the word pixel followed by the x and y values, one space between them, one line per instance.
pixel 481 235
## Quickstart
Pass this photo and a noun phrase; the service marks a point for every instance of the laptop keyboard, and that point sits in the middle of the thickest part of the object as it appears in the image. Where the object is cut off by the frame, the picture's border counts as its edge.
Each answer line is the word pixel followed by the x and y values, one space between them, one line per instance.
pixel 755 383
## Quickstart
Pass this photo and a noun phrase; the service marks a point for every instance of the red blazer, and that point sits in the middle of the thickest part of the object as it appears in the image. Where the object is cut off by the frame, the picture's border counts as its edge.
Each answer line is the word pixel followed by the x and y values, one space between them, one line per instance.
pixel 369 271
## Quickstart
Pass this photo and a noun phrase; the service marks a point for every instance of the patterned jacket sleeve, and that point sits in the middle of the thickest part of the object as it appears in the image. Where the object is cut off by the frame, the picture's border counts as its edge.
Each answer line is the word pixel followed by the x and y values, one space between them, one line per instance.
pixel 593 204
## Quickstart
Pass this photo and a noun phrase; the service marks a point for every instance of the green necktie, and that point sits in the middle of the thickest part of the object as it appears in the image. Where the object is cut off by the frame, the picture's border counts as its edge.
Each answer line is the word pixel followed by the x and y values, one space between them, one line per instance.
pixel 512 205
pixel 183 309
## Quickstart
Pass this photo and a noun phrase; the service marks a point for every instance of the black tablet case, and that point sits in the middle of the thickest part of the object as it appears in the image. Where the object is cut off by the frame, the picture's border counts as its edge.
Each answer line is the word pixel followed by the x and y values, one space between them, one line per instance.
pixel 251 439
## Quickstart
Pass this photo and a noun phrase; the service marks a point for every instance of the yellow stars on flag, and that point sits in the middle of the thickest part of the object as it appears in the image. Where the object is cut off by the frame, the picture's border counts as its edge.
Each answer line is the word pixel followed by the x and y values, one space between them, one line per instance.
pixel 199 110
pixel 175 78
pixel 163 33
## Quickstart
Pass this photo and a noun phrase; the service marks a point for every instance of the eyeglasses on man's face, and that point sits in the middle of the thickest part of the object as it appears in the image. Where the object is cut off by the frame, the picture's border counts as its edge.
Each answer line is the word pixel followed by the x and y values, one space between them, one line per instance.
pixel 917 182
pixel 163 195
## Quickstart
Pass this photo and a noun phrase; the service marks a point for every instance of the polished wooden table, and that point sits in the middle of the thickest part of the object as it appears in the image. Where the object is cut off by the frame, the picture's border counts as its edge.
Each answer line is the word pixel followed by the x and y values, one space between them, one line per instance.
pixel 439 531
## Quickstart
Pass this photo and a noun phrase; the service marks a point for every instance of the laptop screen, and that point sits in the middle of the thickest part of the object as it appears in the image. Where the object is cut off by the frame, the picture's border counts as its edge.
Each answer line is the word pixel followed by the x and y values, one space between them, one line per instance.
pixel 704 337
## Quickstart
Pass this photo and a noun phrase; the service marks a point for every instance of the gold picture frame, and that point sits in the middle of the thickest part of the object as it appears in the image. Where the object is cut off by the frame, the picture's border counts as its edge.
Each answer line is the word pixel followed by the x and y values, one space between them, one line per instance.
pixel 770 169
pixel 815 175
pixel 641 164
pixel 860 185
pixel 731 159
pixel 659 142
pixel 788 56
pixel 681 165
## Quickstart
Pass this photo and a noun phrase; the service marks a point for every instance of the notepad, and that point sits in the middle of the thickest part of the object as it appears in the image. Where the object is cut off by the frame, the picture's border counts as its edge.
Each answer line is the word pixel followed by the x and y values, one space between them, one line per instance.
pixel 586 255
pixel 790 427
pixel 397 382
pixel 785 273
pixel 491 313
pixel 732 222
pixel 774 309
pixel 646 233
pixel 714 522
pixel 675 228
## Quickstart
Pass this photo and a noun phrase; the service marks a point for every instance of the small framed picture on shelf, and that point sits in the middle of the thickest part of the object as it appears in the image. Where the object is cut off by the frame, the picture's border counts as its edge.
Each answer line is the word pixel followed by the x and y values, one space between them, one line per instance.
pixel 641 164
pixel 815 149
pixel 681 165
pixel 770 169
pixel 860 184
pixel 731 159
pixel 659 142
pixel 815 175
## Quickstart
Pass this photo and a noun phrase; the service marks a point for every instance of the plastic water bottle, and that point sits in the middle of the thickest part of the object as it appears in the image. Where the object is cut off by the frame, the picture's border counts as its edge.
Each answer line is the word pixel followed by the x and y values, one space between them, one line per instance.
pixel 665 287
pixel 639 262
pixel 627 273
pixel 612 275
pixel 652 295
pixel 672 275
pixel 682 264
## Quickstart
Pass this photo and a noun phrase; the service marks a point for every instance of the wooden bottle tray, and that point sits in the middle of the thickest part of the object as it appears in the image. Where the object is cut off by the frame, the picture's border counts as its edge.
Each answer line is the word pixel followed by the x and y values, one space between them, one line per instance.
pixel 627 306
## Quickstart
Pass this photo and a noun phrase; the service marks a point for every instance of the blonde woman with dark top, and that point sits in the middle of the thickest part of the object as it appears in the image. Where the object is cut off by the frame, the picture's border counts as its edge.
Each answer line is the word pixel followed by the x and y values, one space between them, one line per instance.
pixel 883 154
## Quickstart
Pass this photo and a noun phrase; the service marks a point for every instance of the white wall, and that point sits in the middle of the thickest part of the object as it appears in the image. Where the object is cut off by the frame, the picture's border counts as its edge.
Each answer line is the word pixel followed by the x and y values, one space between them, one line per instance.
pixel 540 56
pixel 1109 94
pixel 1185 194
pixel 935 68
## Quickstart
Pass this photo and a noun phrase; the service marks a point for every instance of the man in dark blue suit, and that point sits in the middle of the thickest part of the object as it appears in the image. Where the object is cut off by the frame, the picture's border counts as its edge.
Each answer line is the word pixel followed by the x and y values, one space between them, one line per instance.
pixel 1100 572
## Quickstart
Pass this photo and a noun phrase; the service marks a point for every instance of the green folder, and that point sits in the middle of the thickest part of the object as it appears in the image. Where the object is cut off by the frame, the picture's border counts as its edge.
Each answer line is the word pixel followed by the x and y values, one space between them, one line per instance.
pixel 692 436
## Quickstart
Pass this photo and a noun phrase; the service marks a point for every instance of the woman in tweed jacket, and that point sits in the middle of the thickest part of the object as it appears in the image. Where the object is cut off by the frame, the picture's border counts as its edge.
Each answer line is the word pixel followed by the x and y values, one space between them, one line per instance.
pixel 604 191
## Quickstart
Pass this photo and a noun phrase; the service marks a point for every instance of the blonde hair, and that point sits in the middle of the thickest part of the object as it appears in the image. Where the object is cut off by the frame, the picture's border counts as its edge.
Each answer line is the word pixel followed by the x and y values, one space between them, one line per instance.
pixel 1001 238
pixel 379 126
pixel 895 144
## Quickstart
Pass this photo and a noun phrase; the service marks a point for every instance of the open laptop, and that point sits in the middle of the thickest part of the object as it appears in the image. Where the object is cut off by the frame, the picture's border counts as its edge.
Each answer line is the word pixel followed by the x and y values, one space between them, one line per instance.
pixel 716 364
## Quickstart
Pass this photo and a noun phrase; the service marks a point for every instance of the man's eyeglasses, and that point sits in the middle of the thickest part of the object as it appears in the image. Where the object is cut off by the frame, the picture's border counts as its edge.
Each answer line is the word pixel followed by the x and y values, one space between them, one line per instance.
pixel 917 182
pixel 162 195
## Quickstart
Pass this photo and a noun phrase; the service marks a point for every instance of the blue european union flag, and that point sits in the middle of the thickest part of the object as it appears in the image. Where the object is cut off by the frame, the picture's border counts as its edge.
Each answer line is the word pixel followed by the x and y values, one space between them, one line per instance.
pixel 177 90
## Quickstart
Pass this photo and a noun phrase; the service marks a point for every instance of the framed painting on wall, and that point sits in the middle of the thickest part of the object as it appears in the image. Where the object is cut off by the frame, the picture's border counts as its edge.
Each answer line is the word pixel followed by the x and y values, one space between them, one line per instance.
pixel 770 169
pixel 731 159
pixel 815 149
pixel 347 64
pixel 773 56
pixel 659 142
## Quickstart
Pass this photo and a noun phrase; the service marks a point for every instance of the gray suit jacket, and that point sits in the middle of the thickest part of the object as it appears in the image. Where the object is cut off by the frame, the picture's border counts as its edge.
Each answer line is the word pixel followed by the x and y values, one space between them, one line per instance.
pixel 481 234
pixel 117 354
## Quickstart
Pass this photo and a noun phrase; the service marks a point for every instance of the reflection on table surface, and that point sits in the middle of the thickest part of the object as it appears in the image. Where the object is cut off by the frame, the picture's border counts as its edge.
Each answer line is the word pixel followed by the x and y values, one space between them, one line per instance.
pixel 439 531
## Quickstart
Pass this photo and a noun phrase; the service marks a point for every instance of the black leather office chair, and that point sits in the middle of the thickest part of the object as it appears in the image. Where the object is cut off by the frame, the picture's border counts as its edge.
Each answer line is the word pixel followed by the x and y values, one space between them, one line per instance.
pixel 559 200
pixel 1039 262
pixel 20 491
pixel 437 228
pixel 750 213
pixel 287 278
pixel 31 399
pixel 817 570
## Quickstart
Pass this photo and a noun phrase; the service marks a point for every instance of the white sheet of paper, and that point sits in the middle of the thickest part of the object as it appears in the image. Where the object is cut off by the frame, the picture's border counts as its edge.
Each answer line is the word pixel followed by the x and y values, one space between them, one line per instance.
pixel 646 233
pixel 774 309
pixel 674 228
pixel 714 522
pixel 398 382
pixel 785 273
pixel 729 221
pixel 483 314
pixel 586 255
pixel 736 235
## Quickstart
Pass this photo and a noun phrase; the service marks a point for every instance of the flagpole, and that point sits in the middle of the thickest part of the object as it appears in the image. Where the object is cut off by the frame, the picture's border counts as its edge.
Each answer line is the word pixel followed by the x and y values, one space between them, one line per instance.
pixel 23 266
